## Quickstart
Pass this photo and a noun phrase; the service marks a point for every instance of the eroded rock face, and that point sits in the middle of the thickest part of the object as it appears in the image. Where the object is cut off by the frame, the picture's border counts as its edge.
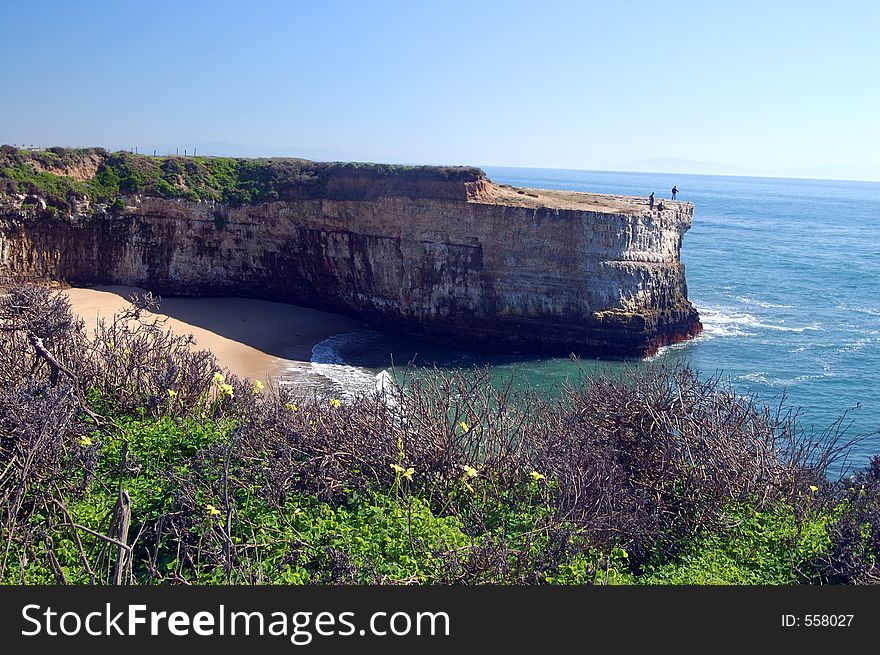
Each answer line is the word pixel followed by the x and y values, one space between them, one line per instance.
pixel 462 262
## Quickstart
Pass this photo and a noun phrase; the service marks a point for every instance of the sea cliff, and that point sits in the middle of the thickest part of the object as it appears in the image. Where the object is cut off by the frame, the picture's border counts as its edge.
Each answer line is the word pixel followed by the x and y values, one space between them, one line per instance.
pixel 438 253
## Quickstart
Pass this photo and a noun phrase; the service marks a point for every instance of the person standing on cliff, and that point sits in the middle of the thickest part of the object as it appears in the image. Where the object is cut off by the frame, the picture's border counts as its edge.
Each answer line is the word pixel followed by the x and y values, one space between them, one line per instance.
pixel 674 191
pixel 651 200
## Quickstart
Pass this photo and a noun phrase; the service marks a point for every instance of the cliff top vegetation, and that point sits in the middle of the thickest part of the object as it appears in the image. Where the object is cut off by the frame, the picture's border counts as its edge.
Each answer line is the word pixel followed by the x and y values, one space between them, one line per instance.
pixel 63 176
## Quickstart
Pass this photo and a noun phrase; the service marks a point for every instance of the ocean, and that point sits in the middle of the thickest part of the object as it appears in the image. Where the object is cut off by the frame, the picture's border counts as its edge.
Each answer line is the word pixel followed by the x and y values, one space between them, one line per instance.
pixel 783 272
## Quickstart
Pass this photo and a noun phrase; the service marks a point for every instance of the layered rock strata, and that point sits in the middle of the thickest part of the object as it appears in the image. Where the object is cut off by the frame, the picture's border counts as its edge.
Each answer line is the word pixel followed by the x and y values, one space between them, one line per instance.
pixel 453 259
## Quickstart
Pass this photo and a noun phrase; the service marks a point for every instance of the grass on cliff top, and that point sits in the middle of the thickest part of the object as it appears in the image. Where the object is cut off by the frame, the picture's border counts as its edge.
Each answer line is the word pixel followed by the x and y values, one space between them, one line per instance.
pixel 657 477
pixel 229 180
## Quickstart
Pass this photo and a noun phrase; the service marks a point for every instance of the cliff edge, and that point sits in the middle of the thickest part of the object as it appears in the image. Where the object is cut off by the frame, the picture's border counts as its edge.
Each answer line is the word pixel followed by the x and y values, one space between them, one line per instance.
pixel 439 253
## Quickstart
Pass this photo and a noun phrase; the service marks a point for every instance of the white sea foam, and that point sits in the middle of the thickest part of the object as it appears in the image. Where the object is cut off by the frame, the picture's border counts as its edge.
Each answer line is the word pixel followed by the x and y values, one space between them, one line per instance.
pixel 855 346
pixel 778 378
pixel 787 328
pixel 761 377
pixel 672 347
pixel 719 321
pixel 756 376
pixel 351 381
pixel 725 322
pixel 870 311
pixel 804 378
pixel 387 391
pixel 762 303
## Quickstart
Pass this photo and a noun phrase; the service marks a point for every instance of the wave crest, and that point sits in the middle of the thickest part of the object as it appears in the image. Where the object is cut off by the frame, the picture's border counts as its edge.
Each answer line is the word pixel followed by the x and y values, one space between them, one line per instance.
pixel 721 321
pixel 327 360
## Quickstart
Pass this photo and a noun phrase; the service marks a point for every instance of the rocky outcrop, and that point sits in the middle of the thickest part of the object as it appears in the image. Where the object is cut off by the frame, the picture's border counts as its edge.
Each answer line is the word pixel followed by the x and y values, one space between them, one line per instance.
pixel 452 258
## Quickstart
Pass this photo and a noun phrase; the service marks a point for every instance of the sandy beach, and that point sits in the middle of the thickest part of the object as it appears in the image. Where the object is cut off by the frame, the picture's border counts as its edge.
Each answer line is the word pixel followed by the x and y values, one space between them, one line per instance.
pixel 252 338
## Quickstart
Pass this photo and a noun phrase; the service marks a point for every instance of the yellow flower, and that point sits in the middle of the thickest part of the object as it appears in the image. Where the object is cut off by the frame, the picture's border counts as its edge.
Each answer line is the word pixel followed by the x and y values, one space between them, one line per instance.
pixel 814 488
pixel 469 471
pixel 212 511
pixel 226 389
pixel 171 393
pixel 85 442
pixel 402 472
pixel 335 403
pixel 218 378
pixel 537 477
pixel 258 386
pixel 464 427
pixel 291 407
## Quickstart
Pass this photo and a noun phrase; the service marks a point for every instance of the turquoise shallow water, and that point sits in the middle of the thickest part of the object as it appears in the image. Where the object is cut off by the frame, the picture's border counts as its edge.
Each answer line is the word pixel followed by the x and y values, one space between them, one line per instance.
pixel 783 272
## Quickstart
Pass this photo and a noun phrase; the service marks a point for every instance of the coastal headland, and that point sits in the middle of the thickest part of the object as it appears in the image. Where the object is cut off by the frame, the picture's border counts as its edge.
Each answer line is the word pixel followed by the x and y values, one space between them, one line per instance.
pixel 439 253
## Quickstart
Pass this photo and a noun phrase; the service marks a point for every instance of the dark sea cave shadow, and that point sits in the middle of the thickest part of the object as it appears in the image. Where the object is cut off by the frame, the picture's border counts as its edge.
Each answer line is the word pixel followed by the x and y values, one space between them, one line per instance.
pixel 381 350
pixel 257 323
pixel 376 349
pixel 355 342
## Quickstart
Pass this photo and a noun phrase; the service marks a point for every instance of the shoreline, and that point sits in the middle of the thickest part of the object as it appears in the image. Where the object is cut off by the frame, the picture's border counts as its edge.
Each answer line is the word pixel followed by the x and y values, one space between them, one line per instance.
pixel 256 339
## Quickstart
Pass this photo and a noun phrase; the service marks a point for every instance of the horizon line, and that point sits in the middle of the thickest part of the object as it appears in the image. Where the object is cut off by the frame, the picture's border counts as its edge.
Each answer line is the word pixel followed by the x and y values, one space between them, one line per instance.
pixel 611 170
pixel 520 167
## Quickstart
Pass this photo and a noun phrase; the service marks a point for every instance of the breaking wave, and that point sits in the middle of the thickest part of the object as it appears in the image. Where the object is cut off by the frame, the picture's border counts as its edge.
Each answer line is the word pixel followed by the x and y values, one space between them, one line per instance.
pixel 870 311
pixel 719 321
pixel 762 303
pixel 328 361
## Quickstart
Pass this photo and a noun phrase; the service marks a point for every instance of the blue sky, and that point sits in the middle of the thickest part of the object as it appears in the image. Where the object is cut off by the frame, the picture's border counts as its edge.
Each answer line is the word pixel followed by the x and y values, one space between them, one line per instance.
pixel 790 88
